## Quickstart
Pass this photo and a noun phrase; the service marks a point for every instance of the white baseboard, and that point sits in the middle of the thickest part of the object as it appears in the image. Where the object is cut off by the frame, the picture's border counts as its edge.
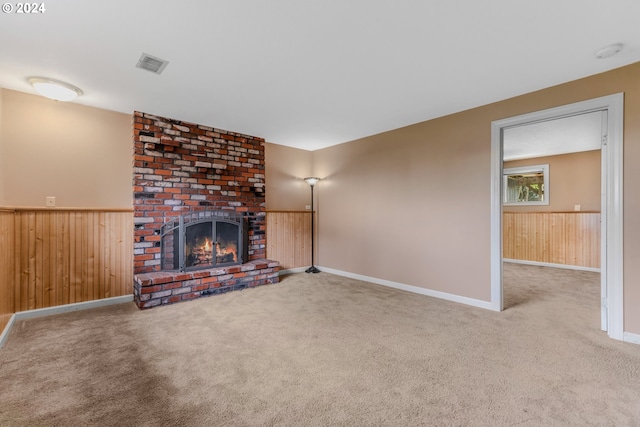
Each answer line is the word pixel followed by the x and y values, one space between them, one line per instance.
pixel 5 334
pixel 631 338
pixel 549 264
pixel 292 270
pixel 41 312
pixel 414 289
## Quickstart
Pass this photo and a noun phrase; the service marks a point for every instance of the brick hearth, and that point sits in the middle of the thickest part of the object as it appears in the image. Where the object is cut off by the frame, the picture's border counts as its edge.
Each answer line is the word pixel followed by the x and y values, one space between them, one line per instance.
pixel 167 287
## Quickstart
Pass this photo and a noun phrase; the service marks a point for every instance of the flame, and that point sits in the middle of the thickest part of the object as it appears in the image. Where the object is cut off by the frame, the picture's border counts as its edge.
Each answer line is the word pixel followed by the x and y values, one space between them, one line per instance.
pixel 229 249
pixel 204 251
pixel 201 253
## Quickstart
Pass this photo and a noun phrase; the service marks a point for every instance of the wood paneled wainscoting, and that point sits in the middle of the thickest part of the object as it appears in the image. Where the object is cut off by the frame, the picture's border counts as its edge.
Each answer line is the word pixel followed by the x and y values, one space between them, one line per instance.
pixel 7 305
pixel 569 238
pixel 64 256
pixel 289 238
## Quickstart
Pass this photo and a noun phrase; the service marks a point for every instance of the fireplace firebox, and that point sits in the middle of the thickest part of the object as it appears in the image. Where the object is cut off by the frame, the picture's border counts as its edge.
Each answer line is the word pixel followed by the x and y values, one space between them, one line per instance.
pixel 205 239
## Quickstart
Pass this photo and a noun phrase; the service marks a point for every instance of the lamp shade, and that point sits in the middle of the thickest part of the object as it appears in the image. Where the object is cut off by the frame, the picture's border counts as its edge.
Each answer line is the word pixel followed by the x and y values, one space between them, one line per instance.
pixel 54 89
pixel 312 180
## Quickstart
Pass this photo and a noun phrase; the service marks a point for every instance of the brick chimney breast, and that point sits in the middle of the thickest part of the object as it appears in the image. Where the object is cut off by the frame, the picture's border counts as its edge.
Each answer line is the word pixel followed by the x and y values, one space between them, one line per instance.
pixel 182 167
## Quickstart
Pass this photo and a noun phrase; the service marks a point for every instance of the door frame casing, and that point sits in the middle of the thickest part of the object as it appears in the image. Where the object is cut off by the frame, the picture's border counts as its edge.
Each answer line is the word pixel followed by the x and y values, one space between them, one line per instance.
pixel 611 260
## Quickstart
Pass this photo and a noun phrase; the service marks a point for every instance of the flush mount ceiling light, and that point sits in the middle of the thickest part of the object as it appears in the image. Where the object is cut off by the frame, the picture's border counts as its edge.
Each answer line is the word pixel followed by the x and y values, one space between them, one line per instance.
pixel 54 89
pixel 609 51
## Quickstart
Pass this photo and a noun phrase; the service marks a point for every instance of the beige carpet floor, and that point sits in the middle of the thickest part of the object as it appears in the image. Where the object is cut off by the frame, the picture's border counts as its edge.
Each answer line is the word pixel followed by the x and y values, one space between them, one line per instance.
pixel 322 350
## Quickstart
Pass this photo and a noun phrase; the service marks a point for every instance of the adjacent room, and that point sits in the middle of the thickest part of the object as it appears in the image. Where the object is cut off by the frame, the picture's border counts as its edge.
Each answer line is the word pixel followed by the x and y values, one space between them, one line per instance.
pixel 284 213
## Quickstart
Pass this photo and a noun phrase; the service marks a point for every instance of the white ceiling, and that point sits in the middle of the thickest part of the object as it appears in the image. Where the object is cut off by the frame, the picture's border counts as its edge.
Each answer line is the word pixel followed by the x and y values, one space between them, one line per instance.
pixel 311 74
pixel 572 134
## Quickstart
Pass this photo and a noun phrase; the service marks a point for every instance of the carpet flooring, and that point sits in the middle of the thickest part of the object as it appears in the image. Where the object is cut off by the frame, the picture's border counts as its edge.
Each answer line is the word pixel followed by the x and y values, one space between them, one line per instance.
pixel 324 350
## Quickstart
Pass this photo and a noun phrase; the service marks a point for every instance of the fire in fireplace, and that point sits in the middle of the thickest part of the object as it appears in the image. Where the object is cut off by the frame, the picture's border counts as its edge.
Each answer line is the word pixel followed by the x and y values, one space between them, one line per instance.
pixel 205 239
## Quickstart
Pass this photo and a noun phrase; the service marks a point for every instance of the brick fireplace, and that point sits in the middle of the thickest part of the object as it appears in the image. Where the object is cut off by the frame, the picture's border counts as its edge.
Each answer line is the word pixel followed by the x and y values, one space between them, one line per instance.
pixel 184 168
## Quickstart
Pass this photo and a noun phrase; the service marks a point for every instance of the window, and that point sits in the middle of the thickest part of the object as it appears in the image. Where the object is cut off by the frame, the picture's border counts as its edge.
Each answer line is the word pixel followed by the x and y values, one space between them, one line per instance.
pixel 527 185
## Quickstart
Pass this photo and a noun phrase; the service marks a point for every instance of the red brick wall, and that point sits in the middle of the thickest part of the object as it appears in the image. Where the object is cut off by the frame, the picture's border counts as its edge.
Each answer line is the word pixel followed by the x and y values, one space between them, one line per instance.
pixel 181 167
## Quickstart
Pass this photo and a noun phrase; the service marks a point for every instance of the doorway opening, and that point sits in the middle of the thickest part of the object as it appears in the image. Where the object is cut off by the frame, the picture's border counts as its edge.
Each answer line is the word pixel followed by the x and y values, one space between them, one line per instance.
pixel 611 250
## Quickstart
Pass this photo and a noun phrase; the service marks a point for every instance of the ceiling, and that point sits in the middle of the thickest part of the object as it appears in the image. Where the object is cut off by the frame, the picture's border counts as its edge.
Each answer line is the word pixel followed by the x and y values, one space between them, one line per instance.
pixel 582 132
pixel 312 74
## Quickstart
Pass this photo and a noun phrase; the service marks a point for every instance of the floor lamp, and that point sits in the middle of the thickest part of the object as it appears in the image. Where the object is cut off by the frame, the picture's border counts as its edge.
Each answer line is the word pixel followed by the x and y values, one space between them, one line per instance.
pixel 312 181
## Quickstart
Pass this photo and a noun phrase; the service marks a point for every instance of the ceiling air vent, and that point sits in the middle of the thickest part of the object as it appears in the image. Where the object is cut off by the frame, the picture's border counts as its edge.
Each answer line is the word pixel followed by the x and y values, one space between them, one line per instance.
pixel 151 63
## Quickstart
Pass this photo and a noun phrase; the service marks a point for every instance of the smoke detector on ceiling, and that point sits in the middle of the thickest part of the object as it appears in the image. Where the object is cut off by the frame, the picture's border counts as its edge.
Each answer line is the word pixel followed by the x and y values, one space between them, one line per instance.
pixel 151 63
pixel 609 51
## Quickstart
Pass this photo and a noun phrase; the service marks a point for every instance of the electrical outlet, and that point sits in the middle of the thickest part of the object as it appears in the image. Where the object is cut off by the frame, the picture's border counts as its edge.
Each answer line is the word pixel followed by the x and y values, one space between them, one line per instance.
pixel 51 201
pixel 577 208
pixel 307 207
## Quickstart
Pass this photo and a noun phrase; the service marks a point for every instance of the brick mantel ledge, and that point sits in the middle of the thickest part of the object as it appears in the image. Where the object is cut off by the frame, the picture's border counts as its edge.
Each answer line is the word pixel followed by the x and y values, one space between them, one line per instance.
pixel 167 287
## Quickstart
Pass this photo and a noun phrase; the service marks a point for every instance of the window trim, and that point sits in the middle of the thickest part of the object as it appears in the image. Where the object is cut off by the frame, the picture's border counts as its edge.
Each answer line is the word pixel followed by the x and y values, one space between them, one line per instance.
pixel 544 168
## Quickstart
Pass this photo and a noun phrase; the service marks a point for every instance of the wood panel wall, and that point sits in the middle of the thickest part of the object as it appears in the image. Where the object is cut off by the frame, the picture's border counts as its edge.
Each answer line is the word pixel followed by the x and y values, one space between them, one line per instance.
pixel 63 257
pixel 7 307
pixel 289 238
pixel 570 238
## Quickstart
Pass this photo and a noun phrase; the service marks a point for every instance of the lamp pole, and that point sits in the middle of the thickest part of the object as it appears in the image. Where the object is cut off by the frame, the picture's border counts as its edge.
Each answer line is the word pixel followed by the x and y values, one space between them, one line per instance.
pixel 312 181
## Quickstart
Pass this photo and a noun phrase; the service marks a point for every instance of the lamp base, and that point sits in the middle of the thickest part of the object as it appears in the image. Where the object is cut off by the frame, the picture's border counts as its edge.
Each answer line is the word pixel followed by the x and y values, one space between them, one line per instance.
pixel 312 269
